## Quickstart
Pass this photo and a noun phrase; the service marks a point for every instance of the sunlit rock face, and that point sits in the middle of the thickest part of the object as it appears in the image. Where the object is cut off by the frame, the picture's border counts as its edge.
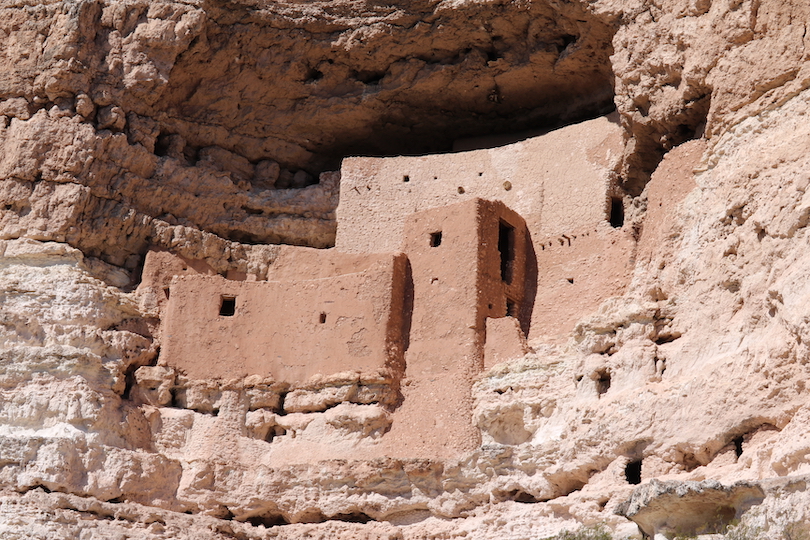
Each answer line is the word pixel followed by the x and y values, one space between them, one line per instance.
pixel 670 358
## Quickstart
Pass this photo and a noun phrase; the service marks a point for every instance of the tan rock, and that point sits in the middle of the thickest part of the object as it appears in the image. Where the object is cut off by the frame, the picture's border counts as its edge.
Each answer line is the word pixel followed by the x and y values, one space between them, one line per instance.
pixel 155 384
pixel 676 353
pixel 689 508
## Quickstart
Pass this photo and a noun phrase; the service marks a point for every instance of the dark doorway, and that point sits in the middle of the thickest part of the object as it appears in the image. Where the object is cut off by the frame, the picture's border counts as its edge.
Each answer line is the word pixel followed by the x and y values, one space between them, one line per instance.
pixel 506 246
pixel 616 212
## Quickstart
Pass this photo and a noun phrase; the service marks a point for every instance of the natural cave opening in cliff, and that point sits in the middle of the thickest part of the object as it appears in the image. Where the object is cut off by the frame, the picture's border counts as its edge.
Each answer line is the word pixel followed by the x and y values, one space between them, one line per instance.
pixel 352 517
pixel 268 520
pixel 522 497
pixel 436 81
pixel 654 139
pixel 441 131
pixel 602 379
pixel 738 446
pixel 316 516
pixel 632 472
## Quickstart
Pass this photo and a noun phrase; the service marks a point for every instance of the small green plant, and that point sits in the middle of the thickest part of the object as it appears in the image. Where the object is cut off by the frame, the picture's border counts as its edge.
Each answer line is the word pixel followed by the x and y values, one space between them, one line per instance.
pixel 792 531
pixel 596 532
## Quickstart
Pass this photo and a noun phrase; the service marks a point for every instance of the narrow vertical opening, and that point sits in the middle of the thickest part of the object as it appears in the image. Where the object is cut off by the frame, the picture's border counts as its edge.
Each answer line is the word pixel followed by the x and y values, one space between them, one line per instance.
pixel 506 246
pixel 166 292
pixel 632 472
pixel 511 308
pixel 322 318
pixel 227 306
pixel 602 381
pixel 616 212
pixel 436 239
pixel 738 446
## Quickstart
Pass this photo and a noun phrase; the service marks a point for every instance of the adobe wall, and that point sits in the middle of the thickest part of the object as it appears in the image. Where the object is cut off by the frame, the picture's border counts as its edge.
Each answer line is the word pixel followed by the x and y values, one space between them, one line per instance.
pixel 505 341
pixel 557 182
pixel 671 182
pixel 463 272
pixel 576 272
pixel 159 268
pixel 457 284
pixel 295 263
pixel 290 329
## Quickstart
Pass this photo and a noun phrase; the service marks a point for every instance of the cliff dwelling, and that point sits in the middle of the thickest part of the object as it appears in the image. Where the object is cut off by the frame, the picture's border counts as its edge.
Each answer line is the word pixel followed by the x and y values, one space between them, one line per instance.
pixel 444 266
pixel 423 270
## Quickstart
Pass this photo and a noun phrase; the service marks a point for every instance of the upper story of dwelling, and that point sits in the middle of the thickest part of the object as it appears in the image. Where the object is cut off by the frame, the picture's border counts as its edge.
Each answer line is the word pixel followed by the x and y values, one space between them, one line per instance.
pixel 561 182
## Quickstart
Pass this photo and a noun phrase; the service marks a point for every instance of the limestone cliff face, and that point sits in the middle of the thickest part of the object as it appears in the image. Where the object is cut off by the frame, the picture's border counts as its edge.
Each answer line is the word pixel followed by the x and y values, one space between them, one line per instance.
pixel 214 129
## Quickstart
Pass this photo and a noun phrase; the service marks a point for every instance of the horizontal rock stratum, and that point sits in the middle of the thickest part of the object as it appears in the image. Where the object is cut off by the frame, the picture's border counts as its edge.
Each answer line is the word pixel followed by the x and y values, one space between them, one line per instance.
pixel 404 270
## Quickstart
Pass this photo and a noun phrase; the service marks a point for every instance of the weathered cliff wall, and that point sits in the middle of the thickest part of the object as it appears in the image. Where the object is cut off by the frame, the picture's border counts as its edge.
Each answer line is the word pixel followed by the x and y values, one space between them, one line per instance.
pixel 201 127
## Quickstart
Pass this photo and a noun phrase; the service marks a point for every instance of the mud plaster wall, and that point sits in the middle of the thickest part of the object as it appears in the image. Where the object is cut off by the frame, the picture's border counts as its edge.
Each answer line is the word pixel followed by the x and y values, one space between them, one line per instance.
pixel 456 284
pixel 576 272
pixel 502 263
pixel 669 185
pixel 325 312
pixel 290 330
pixel 159 268
pixel 505 341
pixel 560 183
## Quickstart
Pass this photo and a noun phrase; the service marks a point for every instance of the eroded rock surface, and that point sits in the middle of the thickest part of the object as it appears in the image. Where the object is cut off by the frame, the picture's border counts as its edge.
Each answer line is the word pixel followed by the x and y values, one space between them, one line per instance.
pixel 689 508
pixel 212 130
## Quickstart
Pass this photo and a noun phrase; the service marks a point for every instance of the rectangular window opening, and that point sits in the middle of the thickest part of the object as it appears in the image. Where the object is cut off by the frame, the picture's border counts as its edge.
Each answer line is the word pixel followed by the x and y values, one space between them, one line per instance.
pixel 506 246
pixel 322 318
pixel 227 306
pixel 436 239
pixel 616 212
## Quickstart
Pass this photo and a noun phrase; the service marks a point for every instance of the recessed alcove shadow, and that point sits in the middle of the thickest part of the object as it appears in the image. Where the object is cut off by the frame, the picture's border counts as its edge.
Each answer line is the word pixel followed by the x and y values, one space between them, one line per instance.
pixel 526 70
pixel 632 472
pixel 530 287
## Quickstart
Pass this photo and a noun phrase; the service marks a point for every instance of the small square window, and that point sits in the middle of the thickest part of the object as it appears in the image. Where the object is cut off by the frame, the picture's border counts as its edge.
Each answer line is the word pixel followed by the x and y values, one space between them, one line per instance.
pixel 227 306
pixel 436 239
